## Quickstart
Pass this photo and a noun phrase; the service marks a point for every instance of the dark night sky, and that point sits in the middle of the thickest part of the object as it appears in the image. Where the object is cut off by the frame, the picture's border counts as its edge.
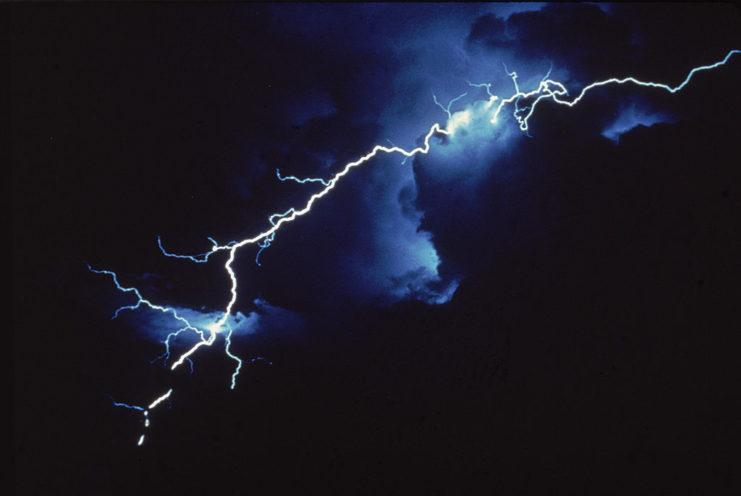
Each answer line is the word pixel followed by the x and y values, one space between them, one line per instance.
pixel 590 346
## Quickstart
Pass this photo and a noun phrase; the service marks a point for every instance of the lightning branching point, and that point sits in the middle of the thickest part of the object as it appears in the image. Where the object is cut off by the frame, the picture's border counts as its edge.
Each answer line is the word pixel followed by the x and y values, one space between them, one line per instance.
pixel 450 103
pixel 547 74
pixel 263 245
pixel 513 75
pixel 487 86
pixel 145 411
pixel 547 89
pixel 200 258
pixel 166 355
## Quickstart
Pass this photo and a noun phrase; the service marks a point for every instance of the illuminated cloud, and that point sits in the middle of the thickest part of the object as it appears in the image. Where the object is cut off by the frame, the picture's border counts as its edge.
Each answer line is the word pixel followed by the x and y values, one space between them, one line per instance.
pixel 632 117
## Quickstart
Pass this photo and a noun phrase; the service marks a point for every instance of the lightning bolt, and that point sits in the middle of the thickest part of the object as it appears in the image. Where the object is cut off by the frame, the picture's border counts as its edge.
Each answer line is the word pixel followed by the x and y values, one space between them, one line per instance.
pixel 145 411
pixel 548 89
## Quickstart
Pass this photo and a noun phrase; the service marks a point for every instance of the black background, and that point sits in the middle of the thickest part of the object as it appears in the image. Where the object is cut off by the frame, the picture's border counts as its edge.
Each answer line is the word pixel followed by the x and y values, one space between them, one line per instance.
pixel 591 348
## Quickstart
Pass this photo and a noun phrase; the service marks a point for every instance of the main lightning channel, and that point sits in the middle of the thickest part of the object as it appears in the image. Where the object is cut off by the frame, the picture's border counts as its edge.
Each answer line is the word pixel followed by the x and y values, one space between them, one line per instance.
pixel 548 89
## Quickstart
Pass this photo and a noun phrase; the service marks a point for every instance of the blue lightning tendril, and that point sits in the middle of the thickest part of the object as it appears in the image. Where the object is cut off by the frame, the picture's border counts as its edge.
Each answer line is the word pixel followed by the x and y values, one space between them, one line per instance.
pixel 547 89
pixel 192 258
pixel 451 102
pixel 300 181
pixel 482 85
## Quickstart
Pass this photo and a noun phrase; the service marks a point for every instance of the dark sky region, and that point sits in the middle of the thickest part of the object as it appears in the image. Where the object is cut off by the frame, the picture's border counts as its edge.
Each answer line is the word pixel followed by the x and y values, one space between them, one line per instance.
pixel 555 313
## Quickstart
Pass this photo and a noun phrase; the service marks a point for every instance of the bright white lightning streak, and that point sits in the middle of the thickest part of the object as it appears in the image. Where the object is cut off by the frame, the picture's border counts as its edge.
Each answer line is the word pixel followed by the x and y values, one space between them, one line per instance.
pixel 547 89
pixel 145 411
pixel 560 91
pixel 160 399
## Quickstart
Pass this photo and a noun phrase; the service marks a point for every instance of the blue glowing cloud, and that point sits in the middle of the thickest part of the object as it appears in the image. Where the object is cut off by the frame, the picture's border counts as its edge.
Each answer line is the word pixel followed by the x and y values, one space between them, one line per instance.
pixel 632 117
pixel 157 325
